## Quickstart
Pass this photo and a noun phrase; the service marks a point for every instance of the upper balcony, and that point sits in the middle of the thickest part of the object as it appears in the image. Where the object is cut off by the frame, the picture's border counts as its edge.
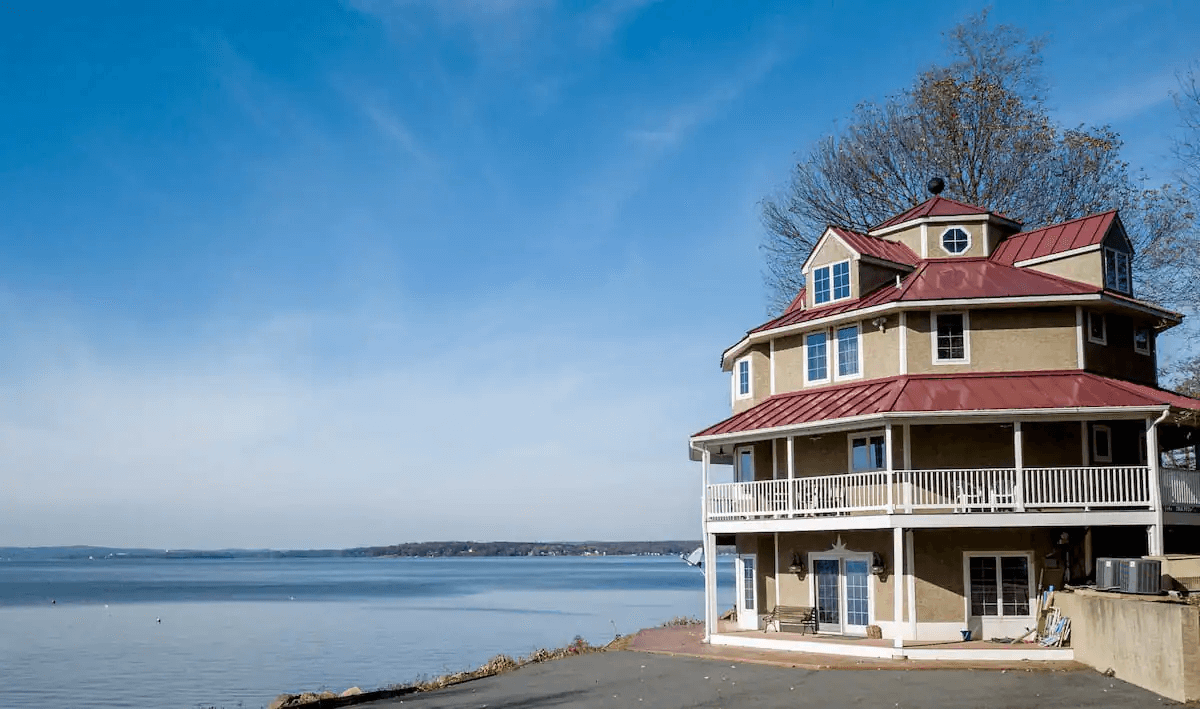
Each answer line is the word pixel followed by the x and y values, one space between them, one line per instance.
pixel 964 491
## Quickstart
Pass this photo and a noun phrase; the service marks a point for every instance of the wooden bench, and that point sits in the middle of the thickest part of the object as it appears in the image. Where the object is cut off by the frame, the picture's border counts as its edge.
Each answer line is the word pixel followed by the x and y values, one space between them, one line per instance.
pixel 804 616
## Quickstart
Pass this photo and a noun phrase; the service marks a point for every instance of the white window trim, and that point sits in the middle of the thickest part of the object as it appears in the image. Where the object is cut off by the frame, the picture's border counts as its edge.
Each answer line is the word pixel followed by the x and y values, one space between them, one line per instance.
pixel 933 343
pixel 833 368
pixel 829 267
pixel 828 368
pixel 750 619
pixel 876 433
pixel 1117 269
pixel 737 463
pixel 1097 427
pixel 737 377
pixel 1103 339
pixel 968 555
pixel 1149 338
pixel 842 557
pixel 942 240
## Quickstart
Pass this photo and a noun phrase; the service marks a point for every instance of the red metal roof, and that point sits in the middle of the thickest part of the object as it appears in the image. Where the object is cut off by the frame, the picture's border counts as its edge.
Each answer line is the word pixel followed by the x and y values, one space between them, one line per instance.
pixel 936 206
pixel 797 303
pixel 941 279
pixel 986 391
pixel 1074 234
pixel 884 249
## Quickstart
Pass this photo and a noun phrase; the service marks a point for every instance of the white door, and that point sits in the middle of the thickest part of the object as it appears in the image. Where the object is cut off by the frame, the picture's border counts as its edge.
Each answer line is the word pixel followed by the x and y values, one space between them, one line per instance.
pixel 842 593
pixel 747 592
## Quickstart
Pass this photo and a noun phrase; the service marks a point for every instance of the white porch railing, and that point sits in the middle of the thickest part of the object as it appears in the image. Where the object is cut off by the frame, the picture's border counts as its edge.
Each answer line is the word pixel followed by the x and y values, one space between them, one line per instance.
pixel 959 490
pixel 1181 488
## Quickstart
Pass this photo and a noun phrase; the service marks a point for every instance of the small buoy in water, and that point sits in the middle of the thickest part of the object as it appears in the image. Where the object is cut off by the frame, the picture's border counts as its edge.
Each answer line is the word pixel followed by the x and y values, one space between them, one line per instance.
pixel 52 601
pixel 158 620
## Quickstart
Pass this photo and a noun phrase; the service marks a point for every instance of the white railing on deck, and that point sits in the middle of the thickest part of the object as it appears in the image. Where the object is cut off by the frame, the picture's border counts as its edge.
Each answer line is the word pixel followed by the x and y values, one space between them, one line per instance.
pixel 962 490
pixel 1181 488
pixel 1113 486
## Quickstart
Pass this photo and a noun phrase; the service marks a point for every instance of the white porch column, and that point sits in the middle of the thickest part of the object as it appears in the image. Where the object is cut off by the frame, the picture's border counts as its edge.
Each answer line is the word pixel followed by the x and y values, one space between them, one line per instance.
pixel 1019 463
pixel 710 552
pixel 791 471
pixel 910 572
pixel 891 472
pixel 906 498
pixel 1154 459
pixel 711 614
pixel 897 587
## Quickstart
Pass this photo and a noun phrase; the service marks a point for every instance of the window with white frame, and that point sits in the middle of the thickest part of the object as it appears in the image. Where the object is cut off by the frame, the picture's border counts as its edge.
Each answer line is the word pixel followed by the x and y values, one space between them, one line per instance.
pixel 1097 328
pixel 999 584
pixel 742 380
pixel 748 586
pixel 816 357
pixel 744 465
pixel 1141 340
pixel 1117 275
pixel 867 452
pixel 956 240
pixel 1101 444
pixel 950 339
pixel 831 282
pixel 849 354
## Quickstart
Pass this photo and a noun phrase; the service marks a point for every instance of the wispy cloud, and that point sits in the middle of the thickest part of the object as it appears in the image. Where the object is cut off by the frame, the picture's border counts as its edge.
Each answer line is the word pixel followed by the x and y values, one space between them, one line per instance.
pixel 1121 102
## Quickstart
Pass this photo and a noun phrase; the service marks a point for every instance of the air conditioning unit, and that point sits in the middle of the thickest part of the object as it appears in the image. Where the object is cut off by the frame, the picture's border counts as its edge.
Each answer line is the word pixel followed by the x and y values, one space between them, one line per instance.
pixel 1129 575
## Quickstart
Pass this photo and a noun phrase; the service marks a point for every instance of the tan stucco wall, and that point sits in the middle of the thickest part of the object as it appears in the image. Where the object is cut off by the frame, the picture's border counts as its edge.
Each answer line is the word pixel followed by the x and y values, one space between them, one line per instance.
pixel 962 445
pixel 910 237
pixel 1154 645
pixel 789 363
pixel 794 589
pixel 1085 268
pixel 935 232
pixel 938 561
pixel 1118 358
pixel 1001 340
pixel 1047 445
pixel 881 347
pixel 760 377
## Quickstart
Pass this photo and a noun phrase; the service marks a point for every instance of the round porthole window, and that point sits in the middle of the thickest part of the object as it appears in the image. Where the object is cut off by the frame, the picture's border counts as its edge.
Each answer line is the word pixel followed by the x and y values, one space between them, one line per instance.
pixel 956 240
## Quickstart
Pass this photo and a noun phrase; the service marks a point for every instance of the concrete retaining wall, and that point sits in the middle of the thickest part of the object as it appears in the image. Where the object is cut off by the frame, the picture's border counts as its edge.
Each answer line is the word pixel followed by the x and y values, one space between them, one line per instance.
pixel 1155 645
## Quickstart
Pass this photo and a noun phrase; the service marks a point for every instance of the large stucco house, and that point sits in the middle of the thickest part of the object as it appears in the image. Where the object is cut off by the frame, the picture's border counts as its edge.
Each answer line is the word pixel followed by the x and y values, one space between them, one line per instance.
pixel 951 415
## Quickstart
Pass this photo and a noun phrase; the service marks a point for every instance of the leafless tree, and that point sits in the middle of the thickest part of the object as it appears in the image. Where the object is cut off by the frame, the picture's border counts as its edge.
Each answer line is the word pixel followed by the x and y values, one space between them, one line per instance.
pixel 981 123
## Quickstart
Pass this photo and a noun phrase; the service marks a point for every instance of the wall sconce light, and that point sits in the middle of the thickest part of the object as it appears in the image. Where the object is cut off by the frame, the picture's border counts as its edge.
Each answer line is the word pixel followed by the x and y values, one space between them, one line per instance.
pixel 797 565
pixel 877 566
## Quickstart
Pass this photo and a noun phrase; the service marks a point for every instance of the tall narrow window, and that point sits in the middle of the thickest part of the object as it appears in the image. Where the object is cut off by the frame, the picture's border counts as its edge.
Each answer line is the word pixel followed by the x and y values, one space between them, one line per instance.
pixel 847 351
pixel 950 338
pixel 867 453
pixel 821 285
pixel 817 357
pixel 841 280
pixel 743 378
pixel 745 465
pixel 1097 328
pixel 1117 274
pixel 748 584
pixel 1101 444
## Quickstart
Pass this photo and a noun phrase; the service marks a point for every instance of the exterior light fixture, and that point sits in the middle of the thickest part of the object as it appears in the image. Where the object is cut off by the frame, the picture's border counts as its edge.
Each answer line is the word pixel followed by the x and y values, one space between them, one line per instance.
pixel 877 566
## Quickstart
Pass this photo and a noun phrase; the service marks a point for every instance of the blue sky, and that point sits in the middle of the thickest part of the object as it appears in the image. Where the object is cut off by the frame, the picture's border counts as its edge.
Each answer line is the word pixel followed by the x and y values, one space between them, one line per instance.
pixel 325 274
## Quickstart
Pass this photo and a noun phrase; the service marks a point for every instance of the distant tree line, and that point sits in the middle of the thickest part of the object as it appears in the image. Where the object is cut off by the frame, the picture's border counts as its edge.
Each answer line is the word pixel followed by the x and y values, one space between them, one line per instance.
pixel 532 548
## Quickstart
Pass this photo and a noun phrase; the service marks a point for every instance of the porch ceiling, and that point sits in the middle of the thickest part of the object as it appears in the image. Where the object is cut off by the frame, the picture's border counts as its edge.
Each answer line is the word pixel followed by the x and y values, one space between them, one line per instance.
pixel 1023 393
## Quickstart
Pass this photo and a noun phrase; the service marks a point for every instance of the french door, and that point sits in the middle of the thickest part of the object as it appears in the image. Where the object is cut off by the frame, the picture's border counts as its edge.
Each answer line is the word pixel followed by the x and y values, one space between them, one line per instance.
pixel 842 589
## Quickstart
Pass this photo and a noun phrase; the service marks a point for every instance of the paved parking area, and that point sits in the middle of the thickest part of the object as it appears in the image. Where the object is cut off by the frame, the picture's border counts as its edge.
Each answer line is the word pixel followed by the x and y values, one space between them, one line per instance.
pixel 638 679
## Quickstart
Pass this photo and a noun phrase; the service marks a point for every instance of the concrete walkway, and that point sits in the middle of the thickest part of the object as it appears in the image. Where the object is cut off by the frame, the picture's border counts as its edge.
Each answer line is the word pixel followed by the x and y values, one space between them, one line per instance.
pixel 686 640
pixel 669 669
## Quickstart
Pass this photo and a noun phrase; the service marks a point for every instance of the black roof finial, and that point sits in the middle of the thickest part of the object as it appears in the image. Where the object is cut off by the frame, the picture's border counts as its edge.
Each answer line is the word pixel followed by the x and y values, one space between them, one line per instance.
pixel 936 185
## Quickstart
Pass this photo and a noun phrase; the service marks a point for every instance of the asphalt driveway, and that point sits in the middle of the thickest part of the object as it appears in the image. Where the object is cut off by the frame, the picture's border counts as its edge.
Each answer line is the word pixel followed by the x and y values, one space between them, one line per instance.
pixel 636 679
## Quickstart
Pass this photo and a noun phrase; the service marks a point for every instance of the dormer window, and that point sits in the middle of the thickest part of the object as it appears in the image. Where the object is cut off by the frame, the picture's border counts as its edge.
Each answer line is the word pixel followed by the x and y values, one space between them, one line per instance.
pixel 831 282
pixel 1141 340
pixel 1116 271
pixel 956 240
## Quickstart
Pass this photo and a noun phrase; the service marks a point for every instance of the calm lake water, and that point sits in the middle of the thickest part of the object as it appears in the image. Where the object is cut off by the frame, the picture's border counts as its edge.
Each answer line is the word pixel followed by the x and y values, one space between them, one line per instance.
pixel 235 633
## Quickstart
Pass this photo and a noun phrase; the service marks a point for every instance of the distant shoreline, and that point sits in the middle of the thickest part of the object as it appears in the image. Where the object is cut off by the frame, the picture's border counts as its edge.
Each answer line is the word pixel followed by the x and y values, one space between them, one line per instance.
pixel 404 550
